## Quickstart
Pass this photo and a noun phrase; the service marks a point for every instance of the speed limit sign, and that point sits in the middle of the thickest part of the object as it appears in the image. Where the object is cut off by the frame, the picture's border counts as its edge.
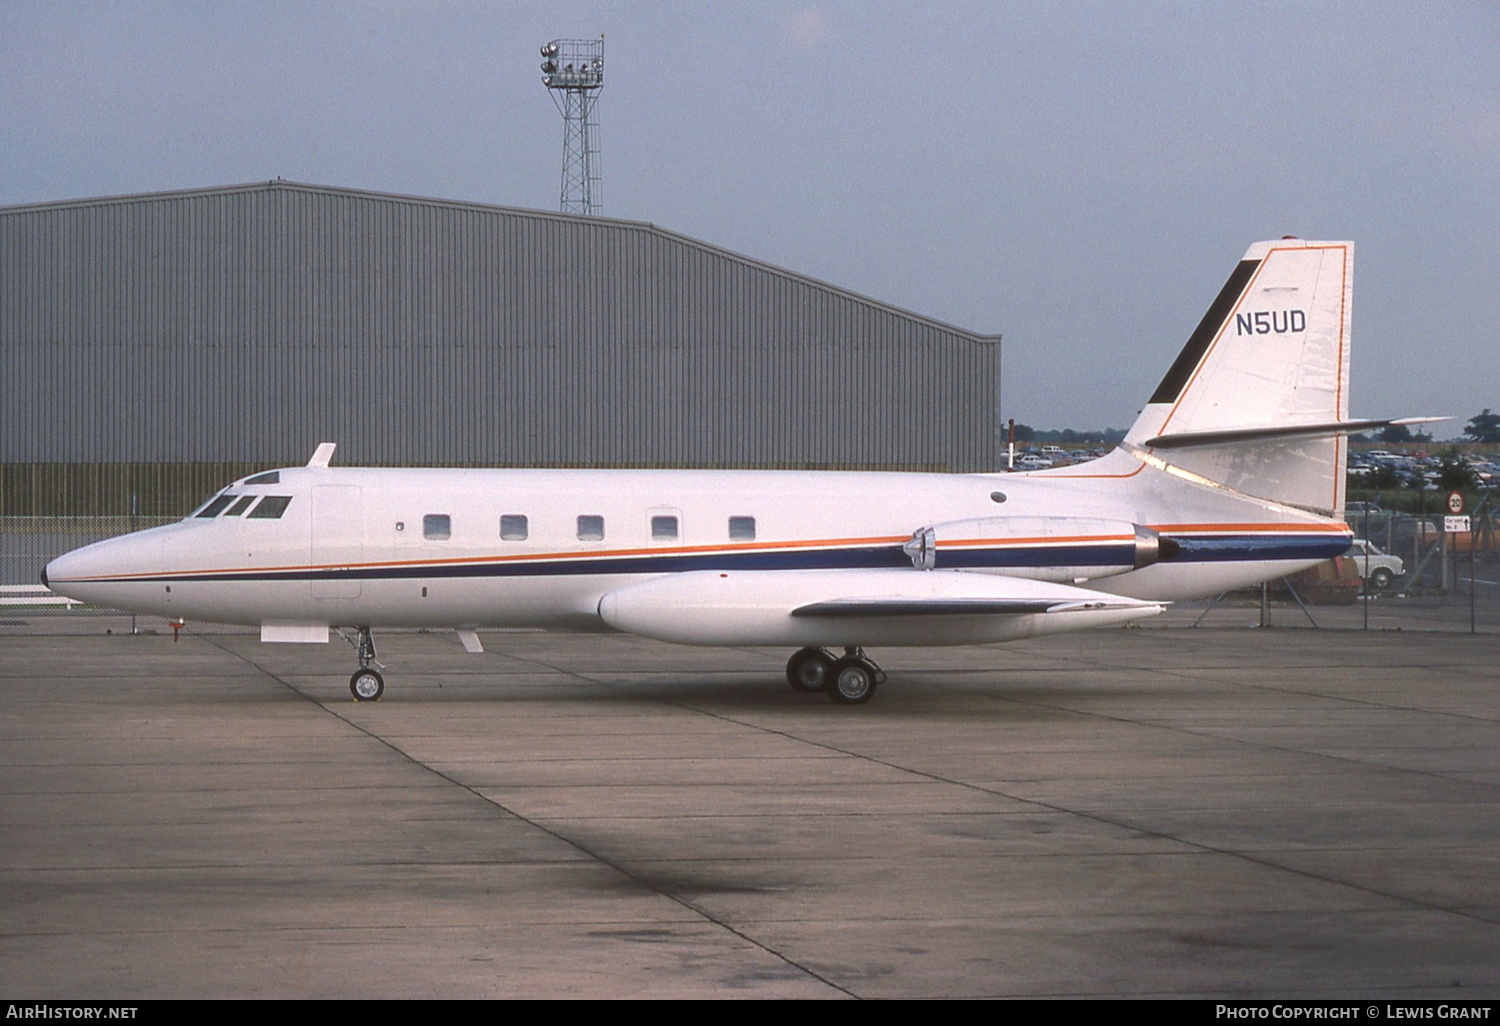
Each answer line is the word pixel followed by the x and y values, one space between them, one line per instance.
pixel 1455 503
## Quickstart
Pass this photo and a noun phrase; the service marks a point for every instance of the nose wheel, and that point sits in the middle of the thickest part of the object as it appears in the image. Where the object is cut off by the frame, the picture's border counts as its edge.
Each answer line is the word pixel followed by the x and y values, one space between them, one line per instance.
pixel 367 685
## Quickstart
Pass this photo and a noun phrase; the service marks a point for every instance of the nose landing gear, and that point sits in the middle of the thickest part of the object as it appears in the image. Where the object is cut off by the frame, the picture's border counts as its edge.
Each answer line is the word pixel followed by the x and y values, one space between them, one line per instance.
pixel 367 685
pixel 851 680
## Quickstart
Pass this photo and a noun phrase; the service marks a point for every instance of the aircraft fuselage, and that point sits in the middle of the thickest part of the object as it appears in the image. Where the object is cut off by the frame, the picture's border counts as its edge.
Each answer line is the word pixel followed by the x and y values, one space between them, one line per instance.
pixel 540 548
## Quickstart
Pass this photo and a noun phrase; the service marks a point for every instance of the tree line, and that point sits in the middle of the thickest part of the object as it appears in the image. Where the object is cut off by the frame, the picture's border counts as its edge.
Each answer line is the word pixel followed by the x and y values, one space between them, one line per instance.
pixel 1483 429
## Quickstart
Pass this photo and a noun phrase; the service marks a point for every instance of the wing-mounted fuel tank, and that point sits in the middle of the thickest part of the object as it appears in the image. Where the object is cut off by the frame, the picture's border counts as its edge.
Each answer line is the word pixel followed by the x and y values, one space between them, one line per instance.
pixel 1067 550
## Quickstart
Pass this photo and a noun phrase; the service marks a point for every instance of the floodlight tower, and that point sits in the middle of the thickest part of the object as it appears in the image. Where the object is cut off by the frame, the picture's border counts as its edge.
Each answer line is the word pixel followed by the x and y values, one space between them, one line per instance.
pixel 573 72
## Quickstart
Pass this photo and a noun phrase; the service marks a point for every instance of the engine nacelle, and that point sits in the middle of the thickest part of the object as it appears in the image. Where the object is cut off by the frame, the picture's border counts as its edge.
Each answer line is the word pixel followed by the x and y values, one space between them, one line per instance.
pixel 1068 550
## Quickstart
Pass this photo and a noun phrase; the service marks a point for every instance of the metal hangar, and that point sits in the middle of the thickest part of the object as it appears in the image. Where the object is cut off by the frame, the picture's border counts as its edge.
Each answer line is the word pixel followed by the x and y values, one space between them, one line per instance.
pixel 159 345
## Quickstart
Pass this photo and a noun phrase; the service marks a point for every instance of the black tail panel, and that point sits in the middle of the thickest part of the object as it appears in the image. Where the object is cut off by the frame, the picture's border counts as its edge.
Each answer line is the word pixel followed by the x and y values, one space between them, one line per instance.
pixel 1208 329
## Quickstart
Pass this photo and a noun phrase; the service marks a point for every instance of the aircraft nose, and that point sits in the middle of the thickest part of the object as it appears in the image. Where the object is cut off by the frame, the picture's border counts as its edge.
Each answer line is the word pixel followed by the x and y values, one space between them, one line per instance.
pixel 58 574
pixel 103 573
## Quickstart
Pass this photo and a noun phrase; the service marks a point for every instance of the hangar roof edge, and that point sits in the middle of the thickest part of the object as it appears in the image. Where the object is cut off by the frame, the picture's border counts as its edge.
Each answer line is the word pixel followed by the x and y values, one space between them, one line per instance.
pixel 333 190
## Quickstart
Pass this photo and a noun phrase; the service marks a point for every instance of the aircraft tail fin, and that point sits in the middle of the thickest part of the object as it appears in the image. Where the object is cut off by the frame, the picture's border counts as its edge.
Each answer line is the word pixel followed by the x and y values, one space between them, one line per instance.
pixel 1258 399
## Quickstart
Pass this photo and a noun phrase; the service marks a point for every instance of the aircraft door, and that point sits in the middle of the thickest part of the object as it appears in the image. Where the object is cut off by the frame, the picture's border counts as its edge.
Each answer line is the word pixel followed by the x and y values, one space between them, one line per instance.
pixel 338 539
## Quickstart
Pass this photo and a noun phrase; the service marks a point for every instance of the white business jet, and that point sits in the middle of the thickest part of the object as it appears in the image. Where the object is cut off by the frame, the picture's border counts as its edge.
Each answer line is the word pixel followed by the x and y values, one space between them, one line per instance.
pixel 1232 474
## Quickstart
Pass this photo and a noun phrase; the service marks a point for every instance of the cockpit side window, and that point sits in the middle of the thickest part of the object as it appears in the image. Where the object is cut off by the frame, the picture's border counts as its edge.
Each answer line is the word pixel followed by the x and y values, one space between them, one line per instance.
pixel 270 508
pixel 240 506
pixel 216 507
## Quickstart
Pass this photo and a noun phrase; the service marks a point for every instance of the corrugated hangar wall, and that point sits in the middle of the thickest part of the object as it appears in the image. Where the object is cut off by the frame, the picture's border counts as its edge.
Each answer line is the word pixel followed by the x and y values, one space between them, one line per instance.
pixel 242 325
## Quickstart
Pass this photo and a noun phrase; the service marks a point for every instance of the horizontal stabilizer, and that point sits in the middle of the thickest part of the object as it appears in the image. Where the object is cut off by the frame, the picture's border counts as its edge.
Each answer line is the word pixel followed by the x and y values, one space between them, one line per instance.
pixel 1229 436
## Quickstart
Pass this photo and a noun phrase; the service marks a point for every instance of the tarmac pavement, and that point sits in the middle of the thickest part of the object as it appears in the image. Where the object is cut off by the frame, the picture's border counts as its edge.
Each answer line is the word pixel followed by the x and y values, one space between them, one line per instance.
pixel 1196 813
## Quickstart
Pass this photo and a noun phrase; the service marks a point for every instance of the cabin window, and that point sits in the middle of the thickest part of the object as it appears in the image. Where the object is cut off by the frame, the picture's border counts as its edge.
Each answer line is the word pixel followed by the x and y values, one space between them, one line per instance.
pixel 741 528
pixel 513 527
pixel 663 528
pixel 437 527
pixel 274 477
pixel 239 507
pixel 590 527
pixel 270 508
pixel 216 507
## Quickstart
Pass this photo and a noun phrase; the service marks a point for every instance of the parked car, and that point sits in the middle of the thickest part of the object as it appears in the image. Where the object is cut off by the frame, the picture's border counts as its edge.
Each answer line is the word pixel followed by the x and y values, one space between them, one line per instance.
pixel 1379 569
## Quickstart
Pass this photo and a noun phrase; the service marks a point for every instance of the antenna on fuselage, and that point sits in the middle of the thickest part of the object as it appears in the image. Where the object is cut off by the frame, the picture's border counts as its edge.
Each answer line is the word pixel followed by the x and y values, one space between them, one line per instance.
pixel 323 455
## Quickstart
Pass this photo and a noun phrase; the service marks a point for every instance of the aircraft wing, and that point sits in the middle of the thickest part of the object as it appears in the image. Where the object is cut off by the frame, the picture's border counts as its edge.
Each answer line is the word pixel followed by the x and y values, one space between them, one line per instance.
pixel 857 607
pixel 952 607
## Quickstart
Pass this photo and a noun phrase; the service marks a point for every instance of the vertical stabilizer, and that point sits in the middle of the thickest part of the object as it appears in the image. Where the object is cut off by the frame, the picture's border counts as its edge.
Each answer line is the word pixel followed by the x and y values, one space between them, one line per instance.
pixel 1272 352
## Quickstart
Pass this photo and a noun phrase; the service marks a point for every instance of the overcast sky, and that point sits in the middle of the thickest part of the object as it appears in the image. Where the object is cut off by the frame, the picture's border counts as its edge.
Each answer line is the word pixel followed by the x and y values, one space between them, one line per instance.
pixel 1080 177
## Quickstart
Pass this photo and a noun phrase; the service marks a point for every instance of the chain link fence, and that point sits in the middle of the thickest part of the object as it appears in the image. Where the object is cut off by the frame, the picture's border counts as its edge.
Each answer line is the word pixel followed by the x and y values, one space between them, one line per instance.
pixel 1404 573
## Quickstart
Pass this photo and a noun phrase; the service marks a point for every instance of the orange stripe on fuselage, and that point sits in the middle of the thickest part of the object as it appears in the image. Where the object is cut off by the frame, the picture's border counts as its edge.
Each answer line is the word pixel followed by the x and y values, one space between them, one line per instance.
pixel 788 546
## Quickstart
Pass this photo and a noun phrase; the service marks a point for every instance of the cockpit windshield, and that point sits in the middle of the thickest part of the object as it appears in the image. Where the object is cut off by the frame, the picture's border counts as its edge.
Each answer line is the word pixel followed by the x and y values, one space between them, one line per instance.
pixel 269 507
pixel 216 505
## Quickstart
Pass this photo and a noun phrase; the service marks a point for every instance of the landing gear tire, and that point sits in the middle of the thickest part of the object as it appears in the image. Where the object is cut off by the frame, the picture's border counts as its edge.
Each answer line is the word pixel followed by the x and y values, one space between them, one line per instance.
pixel 808 669
pixel 366 685
pixel 1381 578
pixel 852 681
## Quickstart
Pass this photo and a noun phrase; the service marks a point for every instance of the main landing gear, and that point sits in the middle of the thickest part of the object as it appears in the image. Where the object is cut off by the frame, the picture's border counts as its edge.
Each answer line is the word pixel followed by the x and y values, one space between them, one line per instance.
pixel 367 685
pixel 850 680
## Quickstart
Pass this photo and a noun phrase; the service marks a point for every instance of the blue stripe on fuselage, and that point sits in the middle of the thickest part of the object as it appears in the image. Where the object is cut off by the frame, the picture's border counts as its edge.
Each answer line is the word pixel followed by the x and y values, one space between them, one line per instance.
pixel 1053 555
